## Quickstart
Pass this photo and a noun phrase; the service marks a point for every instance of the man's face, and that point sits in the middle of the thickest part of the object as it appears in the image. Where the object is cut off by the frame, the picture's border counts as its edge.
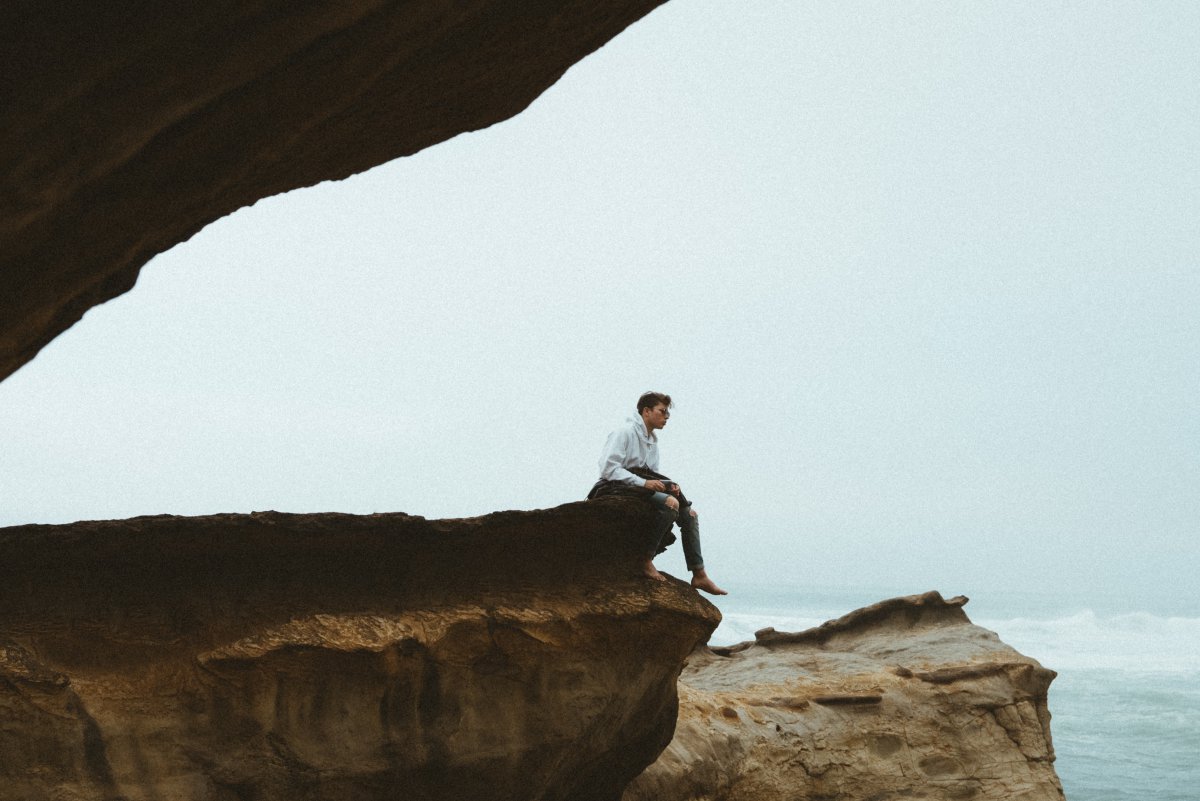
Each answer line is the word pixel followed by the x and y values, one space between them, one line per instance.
pixel 656 417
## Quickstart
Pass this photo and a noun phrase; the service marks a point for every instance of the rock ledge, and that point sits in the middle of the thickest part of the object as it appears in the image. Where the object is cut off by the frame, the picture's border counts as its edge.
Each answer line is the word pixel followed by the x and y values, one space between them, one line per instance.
pixel 272 656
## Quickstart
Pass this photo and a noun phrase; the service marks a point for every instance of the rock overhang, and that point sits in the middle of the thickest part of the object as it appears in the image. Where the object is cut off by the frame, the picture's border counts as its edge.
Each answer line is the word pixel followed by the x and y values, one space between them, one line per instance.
pixel 126 128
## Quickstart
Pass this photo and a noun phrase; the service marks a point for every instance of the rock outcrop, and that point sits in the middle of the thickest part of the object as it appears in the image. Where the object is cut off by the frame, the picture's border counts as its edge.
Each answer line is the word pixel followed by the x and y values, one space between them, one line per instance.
pixel 905 699
pixel 272 656
pixel 520 655
pixel 127 127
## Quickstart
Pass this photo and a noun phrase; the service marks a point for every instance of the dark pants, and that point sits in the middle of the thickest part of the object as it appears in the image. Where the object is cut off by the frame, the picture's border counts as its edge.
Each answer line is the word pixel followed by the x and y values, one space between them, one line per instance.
pixel 689 528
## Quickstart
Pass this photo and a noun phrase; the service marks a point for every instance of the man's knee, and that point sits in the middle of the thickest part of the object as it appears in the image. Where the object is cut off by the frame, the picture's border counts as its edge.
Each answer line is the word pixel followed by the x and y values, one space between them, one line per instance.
pixel 672 503
pixel 692 512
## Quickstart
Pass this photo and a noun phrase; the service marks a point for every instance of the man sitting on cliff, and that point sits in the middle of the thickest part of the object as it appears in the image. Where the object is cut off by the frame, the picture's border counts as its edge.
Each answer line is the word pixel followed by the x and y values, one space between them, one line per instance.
pixel 629 466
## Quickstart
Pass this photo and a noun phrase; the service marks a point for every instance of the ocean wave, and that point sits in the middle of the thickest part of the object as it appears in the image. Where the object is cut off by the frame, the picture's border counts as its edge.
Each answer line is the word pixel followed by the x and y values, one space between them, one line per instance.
pixel 740 626
pixel 1134 642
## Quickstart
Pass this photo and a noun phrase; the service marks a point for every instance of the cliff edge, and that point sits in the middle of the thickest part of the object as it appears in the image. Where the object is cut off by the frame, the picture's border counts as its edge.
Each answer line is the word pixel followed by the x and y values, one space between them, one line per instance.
pixel 270 656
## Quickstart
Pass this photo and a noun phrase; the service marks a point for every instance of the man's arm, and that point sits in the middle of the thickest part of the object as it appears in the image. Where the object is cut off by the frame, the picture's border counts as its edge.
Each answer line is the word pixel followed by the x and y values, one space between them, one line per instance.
pixel 617 454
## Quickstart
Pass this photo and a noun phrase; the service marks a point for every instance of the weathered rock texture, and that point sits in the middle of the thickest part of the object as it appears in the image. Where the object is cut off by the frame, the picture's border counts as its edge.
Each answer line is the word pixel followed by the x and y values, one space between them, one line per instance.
pixel 127 127
pixel 272 656
pixel 902 700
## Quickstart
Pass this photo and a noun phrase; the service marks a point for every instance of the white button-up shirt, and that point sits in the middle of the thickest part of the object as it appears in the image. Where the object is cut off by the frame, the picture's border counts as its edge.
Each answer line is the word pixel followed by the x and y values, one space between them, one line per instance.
pixel 629 446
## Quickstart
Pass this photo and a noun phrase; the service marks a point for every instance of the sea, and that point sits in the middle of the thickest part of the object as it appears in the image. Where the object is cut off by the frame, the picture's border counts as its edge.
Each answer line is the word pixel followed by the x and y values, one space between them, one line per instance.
pixel 1125 706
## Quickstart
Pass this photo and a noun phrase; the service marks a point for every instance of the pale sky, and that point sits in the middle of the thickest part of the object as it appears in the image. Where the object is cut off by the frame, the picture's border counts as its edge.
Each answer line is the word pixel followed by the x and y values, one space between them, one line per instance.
pixel 922 278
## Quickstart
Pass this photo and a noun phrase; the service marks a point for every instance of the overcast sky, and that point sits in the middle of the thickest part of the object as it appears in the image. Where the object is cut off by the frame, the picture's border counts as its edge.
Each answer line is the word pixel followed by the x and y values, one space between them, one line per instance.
pixel 922 278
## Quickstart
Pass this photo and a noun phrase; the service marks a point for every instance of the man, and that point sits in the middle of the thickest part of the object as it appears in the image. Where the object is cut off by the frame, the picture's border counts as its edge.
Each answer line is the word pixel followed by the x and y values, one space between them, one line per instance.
pixel 629 466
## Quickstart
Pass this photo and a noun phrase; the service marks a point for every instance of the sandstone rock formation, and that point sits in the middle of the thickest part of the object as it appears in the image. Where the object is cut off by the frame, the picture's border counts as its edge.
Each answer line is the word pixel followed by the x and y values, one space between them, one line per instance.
pixel 127 127
pixel 905 699
pixel 271 656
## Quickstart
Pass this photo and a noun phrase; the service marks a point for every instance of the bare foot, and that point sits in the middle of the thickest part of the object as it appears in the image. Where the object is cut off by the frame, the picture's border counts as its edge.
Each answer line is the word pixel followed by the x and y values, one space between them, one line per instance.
pixel 652 572
pixel 701 581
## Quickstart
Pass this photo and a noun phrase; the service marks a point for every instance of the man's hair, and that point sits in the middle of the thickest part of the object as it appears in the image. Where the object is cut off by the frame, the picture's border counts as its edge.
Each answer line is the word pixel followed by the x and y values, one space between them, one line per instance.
pixel 651 399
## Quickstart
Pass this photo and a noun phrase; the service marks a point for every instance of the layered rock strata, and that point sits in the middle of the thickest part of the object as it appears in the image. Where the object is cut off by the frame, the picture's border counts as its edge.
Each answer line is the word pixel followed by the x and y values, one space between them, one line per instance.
pixel 906 699
pixel 271 656
pixel 127 127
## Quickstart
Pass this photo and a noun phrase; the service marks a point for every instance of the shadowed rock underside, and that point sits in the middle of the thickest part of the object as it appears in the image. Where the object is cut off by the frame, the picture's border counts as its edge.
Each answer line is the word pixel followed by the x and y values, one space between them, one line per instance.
pixel 127 127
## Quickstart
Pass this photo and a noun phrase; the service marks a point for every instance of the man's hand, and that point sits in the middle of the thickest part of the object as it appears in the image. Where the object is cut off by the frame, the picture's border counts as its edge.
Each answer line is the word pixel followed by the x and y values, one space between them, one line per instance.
pixel 662 486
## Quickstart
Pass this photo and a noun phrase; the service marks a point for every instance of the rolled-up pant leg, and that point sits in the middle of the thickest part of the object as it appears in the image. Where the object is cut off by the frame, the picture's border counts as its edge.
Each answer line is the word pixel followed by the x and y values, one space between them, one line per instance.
pixel 689 528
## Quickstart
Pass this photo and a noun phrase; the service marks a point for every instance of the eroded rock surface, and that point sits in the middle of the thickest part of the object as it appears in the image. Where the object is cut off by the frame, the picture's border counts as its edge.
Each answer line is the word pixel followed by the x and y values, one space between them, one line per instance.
pixel 271 656
pixel 127 127
pixel 906 699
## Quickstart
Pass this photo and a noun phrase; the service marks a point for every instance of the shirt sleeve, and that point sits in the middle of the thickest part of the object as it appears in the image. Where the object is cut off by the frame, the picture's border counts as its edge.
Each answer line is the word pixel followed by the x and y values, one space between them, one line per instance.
pixel 617 451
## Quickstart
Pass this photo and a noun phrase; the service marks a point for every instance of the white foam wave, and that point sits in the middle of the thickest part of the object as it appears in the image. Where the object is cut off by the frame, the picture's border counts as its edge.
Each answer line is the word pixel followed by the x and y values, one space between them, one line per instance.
pixel 738 627
pixel 1135 642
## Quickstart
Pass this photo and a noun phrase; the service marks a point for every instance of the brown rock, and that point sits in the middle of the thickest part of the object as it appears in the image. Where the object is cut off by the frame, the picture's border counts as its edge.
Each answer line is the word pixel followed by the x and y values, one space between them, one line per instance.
pixel 127 127
pixel 904 699
pixel 271 656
